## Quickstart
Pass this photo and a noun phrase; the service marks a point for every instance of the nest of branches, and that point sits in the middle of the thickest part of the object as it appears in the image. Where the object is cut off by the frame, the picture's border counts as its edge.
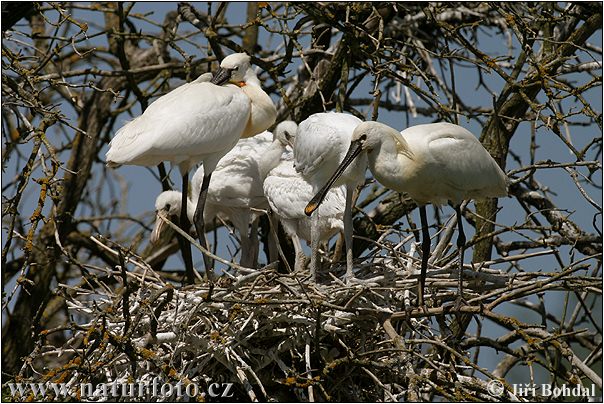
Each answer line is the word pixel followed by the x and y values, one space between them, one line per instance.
pixel 270 336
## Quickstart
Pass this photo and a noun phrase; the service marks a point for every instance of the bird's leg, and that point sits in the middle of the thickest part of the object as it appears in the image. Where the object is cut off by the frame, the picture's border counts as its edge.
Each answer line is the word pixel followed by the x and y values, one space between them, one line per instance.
pixel 246 258
pixel 337 249
pixel 461 245
pixel 200 225
pixel 185 246
pixel 163 177
pixel 300 258
pixel 254 243
pixel 314 246
pixel 425 255
pixel 243 228
pixel 273 238
pixel 350 189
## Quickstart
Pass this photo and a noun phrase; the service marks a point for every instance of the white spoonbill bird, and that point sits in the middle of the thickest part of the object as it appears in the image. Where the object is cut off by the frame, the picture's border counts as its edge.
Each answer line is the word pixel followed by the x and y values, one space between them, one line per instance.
pixel 236 187
pixel 236 190
pixel 170 204
pixel 433 163
pixel 197 122
pixel 321 143
pixel 287 193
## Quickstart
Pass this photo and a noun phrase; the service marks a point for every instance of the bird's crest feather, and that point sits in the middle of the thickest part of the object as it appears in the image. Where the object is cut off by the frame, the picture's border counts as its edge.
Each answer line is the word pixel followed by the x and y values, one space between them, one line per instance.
pixel 401 145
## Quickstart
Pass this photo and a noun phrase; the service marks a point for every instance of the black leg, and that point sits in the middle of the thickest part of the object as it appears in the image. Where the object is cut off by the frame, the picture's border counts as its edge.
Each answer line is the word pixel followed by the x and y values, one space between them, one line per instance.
pixel 461 245
pixel 425 255
pixel 200 225
pixel 185 246
pixel 163 177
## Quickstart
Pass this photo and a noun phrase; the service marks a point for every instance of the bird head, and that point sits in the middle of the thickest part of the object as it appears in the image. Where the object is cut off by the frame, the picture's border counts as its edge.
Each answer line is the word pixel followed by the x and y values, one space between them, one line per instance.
pixel 168 203
pixel 366 137
pixel 285 132
pixel 233 68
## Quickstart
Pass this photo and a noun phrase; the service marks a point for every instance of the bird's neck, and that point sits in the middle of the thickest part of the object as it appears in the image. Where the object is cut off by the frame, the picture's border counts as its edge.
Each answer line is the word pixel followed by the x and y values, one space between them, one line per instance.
pixel 263 112
pixel 387 163
pixel 271 158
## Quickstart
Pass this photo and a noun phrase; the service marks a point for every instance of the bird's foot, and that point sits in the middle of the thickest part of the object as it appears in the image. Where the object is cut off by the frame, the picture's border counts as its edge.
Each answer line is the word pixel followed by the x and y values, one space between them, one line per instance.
pixel 460 301
pixel 408 309
pixel 457 305
pixel 300 264
pixel 422 306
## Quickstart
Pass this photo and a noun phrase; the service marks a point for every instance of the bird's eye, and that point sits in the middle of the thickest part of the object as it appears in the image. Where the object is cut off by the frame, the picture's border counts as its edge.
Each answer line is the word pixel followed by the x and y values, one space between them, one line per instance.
pixel 167 206
pixel 363 137
pixel 287 135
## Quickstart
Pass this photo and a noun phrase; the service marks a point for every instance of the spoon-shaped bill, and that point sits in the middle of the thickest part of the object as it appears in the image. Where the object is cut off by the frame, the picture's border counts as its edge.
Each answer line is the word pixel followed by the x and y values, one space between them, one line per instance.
pixel 221 77
pixel 158 228
pixel 353 151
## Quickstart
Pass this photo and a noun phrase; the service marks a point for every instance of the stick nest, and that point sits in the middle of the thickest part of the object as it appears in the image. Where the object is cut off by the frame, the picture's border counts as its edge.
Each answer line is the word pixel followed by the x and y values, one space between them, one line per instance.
pixel 275 337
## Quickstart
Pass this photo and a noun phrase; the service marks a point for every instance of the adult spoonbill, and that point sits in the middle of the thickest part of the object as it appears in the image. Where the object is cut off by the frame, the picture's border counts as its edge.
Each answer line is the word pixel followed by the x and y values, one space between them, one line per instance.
pixel 287 193
pixel 433 163
pixel 235 191
pixel 321 143
pixel 197 122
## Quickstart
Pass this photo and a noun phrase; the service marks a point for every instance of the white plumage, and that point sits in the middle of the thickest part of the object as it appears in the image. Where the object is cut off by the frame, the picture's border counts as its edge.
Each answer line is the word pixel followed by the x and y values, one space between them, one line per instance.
pixel 237 180
pixel 433 163
pixel 287 193
pixel 235 190
pixel 170 203
pixel 321 143
pixel 197 122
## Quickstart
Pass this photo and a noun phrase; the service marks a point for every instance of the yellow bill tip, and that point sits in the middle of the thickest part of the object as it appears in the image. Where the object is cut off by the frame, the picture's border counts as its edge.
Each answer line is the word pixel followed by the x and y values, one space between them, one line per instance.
pixel 310 208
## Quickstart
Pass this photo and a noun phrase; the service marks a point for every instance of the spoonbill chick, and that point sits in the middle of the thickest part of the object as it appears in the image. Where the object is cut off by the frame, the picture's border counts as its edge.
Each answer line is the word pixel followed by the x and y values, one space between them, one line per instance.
pixel 432 163
pixel 287 193
pixel 235 191
pixel 321 143
pixel 197 122
pixel 169 203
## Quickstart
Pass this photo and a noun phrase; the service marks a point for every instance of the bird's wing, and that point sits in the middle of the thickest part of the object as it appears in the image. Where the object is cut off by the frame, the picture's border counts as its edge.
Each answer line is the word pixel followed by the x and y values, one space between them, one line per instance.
pixel 194 119
pixel 245 153
pixel 235 182
pixel 316 139
pixel 288 193
pixel 321 143
pixel 204 78
pixel 333 204
pixel 463 164
pixel 309 156
pixel 235 190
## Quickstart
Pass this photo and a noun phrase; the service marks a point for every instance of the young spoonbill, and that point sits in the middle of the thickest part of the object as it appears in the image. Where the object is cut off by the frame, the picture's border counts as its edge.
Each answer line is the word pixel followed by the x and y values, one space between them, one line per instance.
pixel 287 193
pixel 321 144
pixel 236 187
pixel 433 163
pixel 197 122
